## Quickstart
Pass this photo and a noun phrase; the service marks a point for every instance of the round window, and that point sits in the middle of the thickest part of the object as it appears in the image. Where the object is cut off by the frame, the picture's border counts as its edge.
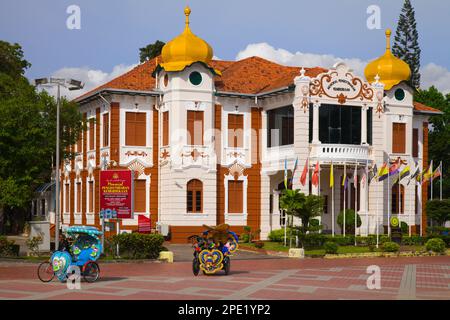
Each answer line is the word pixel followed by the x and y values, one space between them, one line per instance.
pixel 166 80
pixel 399 94
pixel 195 78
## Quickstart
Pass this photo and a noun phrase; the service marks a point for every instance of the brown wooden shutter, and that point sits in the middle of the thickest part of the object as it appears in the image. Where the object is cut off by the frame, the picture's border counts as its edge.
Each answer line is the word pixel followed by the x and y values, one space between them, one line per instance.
pixel 194 196
pixel 80 142
pixel 91 134
pixel 139 195
pixel 398 137
pixel 91 196
pixel 129 128
pixel 190 127
pixel 231 129
pixel 67 199
pixel 106 130
pixel 235 196
pixel 415 142
pixel 235 131
pixel 140 127
pixel 165 124
pixel 79 197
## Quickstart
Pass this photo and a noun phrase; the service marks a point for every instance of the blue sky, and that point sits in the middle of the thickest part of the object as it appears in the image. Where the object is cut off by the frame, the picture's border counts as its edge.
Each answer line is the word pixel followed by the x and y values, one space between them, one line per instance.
pixel 305 31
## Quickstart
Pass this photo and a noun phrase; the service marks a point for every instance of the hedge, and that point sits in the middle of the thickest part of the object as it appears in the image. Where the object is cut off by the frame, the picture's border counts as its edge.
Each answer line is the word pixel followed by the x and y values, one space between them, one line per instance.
pixel 135 245
pixel 315 240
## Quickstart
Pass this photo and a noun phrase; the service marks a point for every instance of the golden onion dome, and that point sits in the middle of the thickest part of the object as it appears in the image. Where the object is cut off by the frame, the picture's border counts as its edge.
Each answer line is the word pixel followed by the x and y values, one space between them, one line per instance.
pixel 185 49
pixel 388 67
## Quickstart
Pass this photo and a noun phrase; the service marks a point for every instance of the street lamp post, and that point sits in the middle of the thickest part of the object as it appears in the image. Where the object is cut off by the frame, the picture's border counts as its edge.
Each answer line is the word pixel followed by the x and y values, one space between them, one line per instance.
pixel 70 84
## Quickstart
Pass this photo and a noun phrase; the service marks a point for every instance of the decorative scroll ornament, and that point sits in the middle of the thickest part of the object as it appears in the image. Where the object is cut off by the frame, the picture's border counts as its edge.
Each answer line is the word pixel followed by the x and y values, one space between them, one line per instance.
pixel 379 96
pixel 340 84
pixel 165 154
pixel 137 167
pixel 136 153
pixel 195 154
pixel 304 104
pixel 236 170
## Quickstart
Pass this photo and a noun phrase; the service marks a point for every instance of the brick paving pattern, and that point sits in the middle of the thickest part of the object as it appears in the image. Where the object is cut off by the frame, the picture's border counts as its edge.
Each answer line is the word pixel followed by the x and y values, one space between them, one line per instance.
pixel 401 278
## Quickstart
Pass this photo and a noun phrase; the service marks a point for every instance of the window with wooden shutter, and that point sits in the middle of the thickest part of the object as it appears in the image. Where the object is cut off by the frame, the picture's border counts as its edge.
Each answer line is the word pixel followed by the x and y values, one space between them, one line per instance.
pixel 139 195
pixel 194 196
pixel 235 131
pixel 235 196
pixel 195 127
pixel 398 137
pixel 165 125
pixel 415 142
pixel 91 196
pixel 78 196
pixel 66 198
pixel 80 142
pixel 106 130
pixel 91 134
pixel 135 129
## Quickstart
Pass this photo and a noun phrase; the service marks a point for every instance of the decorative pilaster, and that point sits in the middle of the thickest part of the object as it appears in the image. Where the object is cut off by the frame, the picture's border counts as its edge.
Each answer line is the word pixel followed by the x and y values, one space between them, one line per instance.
pixel 364 109
pixel 315 137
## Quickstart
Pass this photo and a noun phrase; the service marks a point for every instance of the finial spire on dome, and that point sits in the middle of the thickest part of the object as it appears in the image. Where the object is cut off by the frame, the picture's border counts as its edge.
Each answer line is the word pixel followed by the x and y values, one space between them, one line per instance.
pixel 187 13
pixel 388 39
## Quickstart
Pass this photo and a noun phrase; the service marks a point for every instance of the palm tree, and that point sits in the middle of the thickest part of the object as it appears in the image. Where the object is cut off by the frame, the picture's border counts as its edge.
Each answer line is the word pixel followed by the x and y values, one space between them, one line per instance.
pixel 311 207
pixel 291 200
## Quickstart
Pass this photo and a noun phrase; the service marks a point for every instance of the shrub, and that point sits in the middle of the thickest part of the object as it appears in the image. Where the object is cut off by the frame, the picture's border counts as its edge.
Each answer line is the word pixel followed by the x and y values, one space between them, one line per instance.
pixel 244 238
pixel 390 247
pixel 405 228
pixel 7 248
pixel 136 245
pixel 436 245
pixel 278 235
pixel 413 241
pixel 349 220
pixel 330 247
pixel 33 244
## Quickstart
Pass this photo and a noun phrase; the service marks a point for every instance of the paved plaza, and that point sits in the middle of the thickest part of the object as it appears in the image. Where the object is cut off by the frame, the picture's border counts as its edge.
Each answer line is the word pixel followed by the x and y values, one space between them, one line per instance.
pixel 259 278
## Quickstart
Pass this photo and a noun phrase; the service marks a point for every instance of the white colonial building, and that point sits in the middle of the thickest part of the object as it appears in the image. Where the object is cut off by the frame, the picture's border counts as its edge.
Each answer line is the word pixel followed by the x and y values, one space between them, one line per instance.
pixel 209 139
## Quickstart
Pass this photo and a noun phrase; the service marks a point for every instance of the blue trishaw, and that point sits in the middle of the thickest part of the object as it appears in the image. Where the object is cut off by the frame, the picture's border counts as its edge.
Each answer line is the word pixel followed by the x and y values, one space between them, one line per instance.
pixel 83 253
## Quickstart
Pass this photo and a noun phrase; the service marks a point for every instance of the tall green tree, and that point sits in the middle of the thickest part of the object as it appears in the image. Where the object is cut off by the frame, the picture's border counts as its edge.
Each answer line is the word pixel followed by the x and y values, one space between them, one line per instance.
pixel 151 51
pixel 27 134
pixel 406 42
pixel 439 136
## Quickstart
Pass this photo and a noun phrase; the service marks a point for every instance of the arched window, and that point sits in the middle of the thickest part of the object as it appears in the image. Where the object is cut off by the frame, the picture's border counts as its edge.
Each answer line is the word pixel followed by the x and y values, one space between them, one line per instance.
pixel 194 201
pixel 396 203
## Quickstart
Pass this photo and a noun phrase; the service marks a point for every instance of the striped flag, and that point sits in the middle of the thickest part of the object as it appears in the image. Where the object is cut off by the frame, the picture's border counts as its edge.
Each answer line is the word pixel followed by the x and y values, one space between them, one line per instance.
pixel 355 177
pixel 295 167
pixel 383 173
pixel 373 173
pixel 363 180
pixel 285 174
pixel 304 173
pixel 395 168
pixel 331 176
pixel 404 173
pixel 345 183
pixel 438 171
pixel 415 174
pixel 344 177
pixel 315 176
pixel 427 175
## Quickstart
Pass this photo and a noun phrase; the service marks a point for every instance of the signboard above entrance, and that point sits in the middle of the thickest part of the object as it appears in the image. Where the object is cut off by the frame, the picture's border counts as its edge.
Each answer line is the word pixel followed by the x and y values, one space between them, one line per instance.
pixel 116 194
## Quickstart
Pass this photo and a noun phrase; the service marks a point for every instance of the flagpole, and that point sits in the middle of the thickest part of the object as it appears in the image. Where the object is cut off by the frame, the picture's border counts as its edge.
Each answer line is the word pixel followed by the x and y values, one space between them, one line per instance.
pixel 367 196
pixel 431 181
pixel 440 181
pixel 388 203
pixel 332 201
pixel 377 217
pixel 345 178
pixel 410 212
pixel 421 200
pixel 355 181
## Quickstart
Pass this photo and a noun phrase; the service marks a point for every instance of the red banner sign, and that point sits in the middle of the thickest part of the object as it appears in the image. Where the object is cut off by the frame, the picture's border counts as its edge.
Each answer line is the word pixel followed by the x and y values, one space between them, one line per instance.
pixel 116 189
pixel 144 224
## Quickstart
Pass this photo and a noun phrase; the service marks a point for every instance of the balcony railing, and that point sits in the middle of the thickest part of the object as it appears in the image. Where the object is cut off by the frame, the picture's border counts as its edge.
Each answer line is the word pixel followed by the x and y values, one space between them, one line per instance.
pixel 341 152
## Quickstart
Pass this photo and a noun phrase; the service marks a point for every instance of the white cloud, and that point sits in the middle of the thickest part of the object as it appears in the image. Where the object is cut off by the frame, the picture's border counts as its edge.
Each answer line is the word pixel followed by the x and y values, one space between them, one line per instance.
pixel 91 78
pixel 285 57
pixel 433 74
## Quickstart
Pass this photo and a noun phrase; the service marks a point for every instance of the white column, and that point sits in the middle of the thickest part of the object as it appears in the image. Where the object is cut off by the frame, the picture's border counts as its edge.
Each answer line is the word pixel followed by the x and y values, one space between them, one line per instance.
pixel 364 124
pixel 315 137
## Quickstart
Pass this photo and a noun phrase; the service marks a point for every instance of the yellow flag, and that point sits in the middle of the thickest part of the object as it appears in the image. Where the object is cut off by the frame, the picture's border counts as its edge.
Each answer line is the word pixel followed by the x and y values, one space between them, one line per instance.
pixel 331 176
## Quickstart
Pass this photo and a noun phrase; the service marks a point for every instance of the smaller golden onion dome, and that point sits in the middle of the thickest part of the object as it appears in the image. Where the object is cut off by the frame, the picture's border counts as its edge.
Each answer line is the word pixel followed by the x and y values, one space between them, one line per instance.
pixel 388 67
pixel 185 49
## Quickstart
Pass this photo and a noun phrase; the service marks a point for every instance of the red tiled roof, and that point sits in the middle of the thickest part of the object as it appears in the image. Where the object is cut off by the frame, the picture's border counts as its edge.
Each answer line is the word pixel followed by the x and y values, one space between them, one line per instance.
pixel 248 76
pixel 423 108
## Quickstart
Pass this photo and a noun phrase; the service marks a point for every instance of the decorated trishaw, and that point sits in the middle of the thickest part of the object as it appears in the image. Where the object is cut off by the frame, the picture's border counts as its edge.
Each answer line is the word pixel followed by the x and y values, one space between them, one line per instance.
pixel 212 250
pixel 82 255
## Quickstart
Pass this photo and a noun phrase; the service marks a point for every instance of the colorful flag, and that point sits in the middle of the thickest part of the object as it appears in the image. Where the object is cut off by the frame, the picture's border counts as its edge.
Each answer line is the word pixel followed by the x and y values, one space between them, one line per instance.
pixel 345 183
pixel 415 174
pixel 383 173
pixel 395 168
pixel 427 175
pixel 331 176
pixel 404 173
pixel 304 173
pixel 295 168
pixel 315 176
pixel 363 180
pixel 285 174
pixel 438 171
pixel 344 177
pixel 355 177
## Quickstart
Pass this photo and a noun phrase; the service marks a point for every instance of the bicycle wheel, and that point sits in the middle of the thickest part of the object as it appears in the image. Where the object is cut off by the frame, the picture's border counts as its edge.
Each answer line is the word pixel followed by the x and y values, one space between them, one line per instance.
pixel 226 265
pixel 45 272
pixel 91 272
pixel 195 266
